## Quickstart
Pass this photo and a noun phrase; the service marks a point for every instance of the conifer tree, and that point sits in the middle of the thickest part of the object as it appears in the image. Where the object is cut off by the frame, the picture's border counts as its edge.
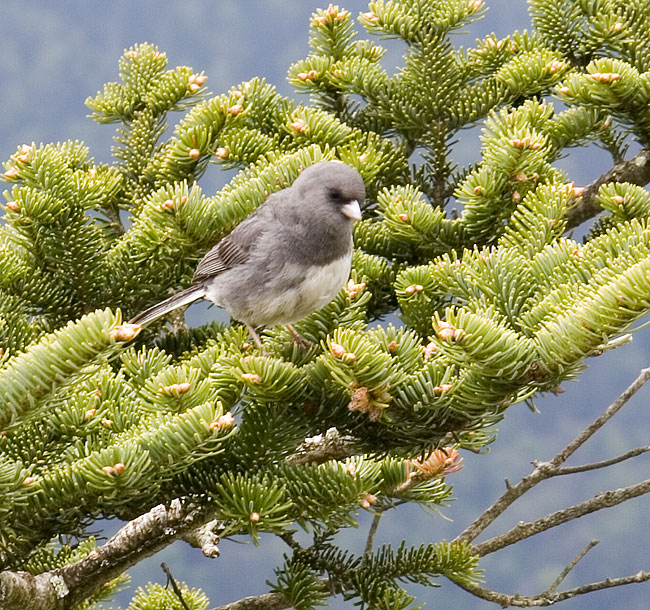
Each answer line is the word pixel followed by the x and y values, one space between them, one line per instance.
pixel 194 433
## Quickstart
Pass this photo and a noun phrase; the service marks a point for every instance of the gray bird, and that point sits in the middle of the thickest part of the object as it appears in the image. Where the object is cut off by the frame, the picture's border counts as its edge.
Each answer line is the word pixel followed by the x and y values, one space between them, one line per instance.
pixel 284 261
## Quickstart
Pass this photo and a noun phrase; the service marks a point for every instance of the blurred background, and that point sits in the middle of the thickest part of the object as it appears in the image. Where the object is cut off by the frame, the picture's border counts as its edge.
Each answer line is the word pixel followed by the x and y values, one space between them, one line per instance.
pixel 56 54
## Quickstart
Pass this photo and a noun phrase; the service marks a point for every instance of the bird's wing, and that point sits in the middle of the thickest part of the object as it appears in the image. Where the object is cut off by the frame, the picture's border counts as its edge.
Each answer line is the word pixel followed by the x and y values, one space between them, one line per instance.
pixel 237 246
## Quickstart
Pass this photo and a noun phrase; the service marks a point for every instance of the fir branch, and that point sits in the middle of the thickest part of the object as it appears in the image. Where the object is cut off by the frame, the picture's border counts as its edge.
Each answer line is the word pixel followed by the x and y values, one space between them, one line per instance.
pixel 634 171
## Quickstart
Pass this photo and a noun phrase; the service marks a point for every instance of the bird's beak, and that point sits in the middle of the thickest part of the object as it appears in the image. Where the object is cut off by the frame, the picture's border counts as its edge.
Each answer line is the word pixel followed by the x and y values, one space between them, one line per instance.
pixel 352 210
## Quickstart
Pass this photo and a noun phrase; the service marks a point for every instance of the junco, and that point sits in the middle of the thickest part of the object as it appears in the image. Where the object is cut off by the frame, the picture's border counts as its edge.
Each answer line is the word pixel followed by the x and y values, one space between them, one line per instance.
pixel 285 260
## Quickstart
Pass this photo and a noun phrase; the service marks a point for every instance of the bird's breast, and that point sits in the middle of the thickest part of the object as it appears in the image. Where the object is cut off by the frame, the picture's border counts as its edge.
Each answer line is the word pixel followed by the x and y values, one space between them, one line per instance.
pixel 291 294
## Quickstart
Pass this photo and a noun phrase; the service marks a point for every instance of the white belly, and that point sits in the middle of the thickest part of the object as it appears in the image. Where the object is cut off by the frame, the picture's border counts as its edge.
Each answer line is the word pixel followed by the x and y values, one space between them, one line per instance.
pixel 289 296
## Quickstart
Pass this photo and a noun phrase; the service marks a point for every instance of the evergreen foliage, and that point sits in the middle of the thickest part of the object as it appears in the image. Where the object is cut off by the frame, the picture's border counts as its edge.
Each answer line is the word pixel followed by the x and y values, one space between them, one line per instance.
pixel 497 302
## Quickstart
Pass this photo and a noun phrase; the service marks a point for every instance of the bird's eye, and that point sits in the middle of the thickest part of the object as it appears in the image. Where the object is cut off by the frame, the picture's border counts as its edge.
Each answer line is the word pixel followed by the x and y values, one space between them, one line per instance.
pixel 335 194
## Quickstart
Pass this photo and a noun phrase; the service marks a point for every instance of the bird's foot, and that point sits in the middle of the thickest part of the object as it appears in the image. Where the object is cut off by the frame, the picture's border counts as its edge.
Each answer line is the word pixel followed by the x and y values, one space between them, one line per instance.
pixel 298 338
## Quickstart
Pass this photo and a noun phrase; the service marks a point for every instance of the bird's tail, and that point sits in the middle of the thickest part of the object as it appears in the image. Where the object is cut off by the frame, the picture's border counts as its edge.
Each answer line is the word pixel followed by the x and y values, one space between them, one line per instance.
pixel 185 297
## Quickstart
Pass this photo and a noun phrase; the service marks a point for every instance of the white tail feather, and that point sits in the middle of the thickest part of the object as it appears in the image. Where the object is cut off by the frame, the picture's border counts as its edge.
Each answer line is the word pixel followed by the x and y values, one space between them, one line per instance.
pixel 185 297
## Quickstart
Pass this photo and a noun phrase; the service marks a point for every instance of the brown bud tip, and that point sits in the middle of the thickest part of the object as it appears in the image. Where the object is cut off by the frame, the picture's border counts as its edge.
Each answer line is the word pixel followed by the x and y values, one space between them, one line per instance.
pixel 553 66
pixel 446 334
pixel 12 172
pixel 617 27
pixel 299 125
pixel 475 5
pixel 577 191
pixel 194 153
pixel 119 468
pixel 251 377
pixel 109 470
pixel 168 204
pixel 221 152
pixel 478 190
pixel 563 90
pixel 363 157
pixel 429 350
pixel 413 288
pixel 304 76
pixel 338 350
pixel 13 206
pixel 235 110
pixel 353 289
pixel 193 87
pixel 521 177
pixel 617 199
pixel 403 217
pixel 28 481
pixel 126 332
pixel 89 414
pixel 222 422
pixel 516 196
pixel 370 17
pixel 254 517
pixel 107 423
pixel 443 387
pixel 198 79
pixel 392 347
pixel 175 388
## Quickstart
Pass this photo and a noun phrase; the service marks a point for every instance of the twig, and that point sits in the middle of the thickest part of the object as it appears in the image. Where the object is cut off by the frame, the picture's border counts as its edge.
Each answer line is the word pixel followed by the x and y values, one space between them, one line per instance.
pixel 266 601
pixel 521 601
pixel 564 573
pixel 324 447
pixel 372 532
pixel 604 463
pixel 636 171
pixel 545 470
pixel 205 538
pixel 171 580
pixel 525 530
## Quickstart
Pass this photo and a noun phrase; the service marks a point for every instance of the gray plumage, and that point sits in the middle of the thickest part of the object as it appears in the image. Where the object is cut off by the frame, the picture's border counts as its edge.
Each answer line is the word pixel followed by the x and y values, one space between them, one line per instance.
pixel 285 260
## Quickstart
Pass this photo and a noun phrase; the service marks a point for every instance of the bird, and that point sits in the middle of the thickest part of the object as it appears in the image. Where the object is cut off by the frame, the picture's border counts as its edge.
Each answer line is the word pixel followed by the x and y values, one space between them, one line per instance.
pixel 287 259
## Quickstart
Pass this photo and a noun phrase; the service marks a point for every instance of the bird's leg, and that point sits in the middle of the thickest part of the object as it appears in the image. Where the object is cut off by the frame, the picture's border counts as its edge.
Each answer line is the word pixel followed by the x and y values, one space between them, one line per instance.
pixel 298 338
pixel 255 336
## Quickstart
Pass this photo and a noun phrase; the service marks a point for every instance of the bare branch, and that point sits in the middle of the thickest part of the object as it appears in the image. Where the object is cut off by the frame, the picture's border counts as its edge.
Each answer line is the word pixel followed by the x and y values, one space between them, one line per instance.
pixel 206 538
pixel 572 564
pixel 372 532
pixel 266 601
pixel 522 601
pixel 604 463
pixel 64 588
pixel 608 583
pixel 545 470
pixel 599 422
pixel 525 530
pixel 324 447
pixel 171 580
pixel 635 171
